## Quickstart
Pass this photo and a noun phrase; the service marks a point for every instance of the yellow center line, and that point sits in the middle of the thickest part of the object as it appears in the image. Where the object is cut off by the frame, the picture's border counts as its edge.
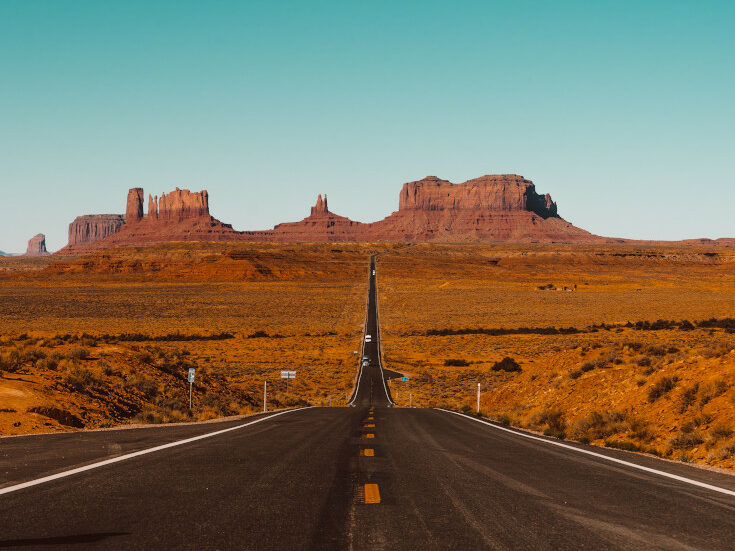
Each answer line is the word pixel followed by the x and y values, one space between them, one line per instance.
pixel 368 452
pixel 369 435
pixel 372 493
pixel 370 426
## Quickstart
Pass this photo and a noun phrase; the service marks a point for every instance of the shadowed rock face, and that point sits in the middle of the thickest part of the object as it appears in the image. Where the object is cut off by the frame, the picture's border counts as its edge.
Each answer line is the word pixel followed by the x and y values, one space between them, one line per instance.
pixel 85 230
pixel 37 246
pixel 134 209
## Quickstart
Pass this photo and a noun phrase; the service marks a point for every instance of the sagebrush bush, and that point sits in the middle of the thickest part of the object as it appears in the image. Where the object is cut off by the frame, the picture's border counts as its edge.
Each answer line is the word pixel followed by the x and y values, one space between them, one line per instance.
pixel 661 387
pixel 686 439
pixel 80 379
pixel 507 364
pixel 79 353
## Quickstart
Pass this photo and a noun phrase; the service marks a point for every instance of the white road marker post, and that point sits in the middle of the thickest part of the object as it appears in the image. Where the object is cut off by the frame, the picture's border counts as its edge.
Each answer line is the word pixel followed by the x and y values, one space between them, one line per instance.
pixel 478 398
pixel 192 371
pixel 265 396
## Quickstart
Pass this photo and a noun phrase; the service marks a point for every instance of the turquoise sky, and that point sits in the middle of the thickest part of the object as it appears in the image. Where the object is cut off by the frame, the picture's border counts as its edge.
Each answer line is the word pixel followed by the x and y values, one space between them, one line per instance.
pixel 623 111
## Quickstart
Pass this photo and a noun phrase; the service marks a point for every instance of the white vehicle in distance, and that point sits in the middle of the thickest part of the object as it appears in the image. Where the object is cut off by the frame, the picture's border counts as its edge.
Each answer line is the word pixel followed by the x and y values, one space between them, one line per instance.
pixel 373 272
pixel 365 363
pixel 368 338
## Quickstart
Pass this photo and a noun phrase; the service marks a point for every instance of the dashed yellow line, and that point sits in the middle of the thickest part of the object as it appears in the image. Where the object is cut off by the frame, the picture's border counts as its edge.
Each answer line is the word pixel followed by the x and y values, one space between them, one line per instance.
pixel 369 435
pixel 372 493
pixel 368 452
pixel 370 426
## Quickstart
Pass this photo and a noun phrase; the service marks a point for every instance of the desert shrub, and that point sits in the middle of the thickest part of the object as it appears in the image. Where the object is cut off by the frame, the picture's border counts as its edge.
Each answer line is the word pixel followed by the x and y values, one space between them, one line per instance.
pixel 554 421
pixel 80 379
pixel 107 369
pixel 31 355
pixel 641 381
pixel 614 358
pixel 599 425
pixel 688 397
pixel 712 390
pixel 663 386
pixel 633 345
pixel 456 363
pixel 576 374
pixel 147 387
pixel 725 452
pixel 623 445
pixel 656 350
pixel 466 409
pixel 587 366
pixel 504 420
pixel 717 350
pixel 644 361
pixel 507 364
pixel 79 353
pixel 639 429
pixel 686 439
pixel 10 361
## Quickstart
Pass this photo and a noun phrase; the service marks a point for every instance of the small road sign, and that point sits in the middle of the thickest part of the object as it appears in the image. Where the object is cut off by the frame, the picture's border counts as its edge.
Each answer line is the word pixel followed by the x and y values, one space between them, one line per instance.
pixel 288 375
pixel 404 379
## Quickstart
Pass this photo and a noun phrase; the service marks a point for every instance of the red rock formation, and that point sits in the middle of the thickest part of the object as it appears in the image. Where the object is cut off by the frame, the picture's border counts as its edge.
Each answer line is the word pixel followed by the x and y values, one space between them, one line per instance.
pixel 85 230
pixel 505 192
pixel 152 206
pixel 321 206
pixel 134 209
pixel 491 209
pixel 182 203
pixel 37 246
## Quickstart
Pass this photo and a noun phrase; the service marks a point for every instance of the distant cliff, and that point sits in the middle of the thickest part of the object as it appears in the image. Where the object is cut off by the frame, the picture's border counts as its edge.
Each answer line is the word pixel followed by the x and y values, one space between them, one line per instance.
pixel 492 208
pixel 37 246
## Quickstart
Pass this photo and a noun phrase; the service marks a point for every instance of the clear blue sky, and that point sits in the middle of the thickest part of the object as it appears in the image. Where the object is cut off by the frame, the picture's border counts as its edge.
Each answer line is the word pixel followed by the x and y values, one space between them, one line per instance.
pixel 623 111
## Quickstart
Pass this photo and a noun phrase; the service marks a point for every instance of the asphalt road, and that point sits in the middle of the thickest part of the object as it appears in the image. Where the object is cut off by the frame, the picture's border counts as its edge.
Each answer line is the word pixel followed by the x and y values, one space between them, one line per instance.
pixel 371 388
pixel 364 477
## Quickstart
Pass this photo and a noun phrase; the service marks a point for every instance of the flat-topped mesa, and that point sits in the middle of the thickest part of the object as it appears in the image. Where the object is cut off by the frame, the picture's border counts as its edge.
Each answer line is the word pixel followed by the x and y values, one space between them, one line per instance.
pixel 320 208
pixel 134 208
pixel 93 227
pixel 502 192
pixel 182 203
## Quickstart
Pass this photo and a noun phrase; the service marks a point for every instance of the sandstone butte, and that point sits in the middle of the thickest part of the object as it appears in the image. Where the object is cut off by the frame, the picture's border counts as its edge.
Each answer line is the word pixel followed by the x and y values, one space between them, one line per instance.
pixel 492 208
pixel 37 246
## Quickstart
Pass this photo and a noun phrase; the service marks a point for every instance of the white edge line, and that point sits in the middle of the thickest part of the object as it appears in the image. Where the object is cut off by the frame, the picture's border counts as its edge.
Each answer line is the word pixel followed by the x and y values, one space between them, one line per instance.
pixel 600 455
pixel 64 474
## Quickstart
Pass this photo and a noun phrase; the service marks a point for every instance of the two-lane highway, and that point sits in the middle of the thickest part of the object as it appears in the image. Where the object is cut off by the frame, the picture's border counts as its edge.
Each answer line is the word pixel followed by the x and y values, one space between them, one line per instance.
pixel 370 476
pixel 371 387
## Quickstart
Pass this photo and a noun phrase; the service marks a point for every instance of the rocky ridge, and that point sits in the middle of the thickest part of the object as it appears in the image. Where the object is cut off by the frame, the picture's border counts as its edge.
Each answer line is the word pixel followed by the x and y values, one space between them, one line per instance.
pixel 492 208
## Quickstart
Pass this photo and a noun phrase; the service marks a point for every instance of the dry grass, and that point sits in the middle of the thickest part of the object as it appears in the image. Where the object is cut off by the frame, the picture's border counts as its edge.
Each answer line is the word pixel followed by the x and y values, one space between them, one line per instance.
pixel 607 381
pixel 108 338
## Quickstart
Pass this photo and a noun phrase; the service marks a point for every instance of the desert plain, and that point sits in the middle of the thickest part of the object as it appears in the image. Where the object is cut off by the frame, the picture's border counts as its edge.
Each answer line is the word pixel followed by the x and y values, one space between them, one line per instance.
pixel 622 345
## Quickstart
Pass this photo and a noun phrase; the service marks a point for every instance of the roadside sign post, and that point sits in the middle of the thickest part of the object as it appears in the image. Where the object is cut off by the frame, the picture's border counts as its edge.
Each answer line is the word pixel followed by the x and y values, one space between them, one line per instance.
pixel 265 396
pixel 478 397
pixel 192 372
pixel 288 375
